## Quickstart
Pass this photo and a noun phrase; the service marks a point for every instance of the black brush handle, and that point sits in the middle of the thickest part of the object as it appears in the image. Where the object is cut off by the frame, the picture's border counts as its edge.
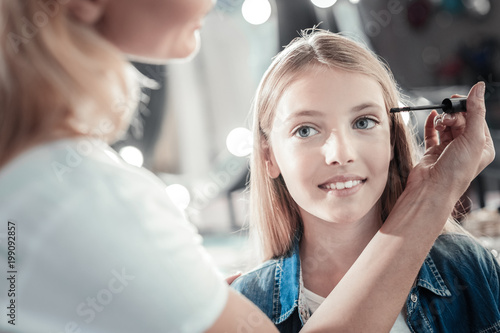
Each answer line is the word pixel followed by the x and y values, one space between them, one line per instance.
pixel 454 105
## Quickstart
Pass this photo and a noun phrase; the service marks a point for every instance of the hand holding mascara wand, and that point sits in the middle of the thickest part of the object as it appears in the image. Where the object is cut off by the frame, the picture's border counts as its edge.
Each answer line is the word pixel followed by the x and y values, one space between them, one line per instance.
pixel 449 105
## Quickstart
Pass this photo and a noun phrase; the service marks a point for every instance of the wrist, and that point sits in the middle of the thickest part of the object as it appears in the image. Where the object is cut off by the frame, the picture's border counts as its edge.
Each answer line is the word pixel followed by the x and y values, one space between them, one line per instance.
pixel 432 193
pixel 421 211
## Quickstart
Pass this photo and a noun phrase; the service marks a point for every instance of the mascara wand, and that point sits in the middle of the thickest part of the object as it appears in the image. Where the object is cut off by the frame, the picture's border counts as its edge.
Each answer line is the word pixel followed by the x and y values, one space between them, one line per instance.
pixel 449 105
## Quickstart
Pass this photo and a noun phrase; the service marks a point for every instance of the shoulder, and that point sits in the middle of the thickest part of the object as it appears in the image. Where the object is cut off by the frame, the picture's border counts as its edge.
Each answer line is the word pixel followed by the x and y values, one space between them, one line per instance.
pixel 51 172
pixel 261 277
pixel 463 277
pixel 258 285
pixel 462 247
pixel 83 183
pixel 463 255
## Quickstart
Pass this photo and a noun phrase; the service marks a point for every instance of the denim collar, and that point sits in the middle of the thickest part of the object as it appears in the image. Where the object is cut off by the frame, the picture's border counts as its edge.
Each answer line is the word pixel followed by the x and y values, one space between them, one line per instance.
pixel 286 285
pixel 287 282
pixel 429 278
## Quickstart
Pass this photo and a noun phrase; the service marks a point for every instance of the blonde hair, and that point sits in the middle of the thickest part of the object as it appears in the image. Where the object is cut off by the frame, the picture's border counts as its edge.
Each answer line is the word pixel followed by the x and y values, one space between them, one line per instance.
pixel 274 216
pixel 56 74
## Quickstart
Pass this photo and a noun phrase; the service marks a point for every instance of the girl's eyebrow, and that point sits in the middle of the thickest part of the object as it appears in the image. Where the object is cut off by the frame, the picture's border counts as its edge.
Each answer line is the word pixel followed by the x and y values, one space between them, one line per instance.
pixel 367 105
pixel 309 113
pixel 303 113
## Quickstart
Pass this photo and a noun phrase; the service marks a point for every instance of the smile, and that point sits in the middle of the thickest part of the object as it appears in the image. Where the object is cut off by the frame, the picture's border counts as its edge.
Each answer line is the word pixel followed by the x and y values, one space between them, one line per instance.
pixel 341 185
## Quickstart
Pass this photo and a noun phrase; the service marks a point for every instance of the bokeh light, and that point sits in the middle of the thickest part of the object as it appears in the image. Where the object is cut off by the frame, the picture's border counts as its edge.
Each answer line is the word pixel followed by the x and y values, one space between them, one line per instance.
pixel 479 7
pixel 179 195
pixel 256 11
pixel 323 3
pixel 132 155
pixel 239 142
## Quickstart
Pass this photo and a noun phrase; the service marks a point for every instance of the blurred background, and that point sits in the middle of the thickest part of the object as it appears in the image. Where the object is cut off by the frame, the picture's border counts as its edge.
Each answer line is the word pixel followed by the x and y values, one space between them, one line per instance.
pixel 193 130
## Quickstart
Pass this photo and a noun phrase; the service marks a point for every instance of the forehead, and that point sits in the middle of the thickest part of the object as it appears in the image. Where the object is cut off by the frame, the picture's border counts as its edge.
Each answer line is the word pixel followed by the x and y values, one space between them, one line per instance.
pixel 317 87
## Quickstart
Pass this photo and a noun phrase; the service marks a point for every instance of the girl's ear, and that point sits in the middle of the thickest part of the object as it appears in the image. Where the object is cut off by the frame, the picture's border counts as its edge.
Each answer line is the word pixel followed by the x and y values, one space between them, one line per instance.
pixel 272 167
pixel 87 11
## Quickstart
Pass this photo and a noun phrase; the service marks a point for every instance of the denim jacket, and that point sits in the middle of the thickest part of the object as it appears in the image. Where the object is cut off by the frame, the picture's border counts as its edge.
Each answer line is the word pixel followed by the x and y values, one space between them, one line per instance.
pixel 457 289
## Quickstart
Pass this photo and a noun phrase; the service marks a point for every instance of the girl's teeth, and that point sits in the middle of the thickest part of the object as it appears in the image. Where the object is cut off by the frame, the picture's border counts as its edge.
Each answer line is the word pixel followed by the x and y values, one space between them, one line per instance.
pixel 341 186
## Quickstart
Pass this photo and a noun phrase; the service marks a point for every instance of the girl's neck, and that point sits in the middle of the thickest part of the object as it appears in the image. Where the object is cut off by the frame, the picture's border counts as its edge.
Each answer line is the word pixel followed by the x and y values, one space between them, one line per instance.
pixel 328 250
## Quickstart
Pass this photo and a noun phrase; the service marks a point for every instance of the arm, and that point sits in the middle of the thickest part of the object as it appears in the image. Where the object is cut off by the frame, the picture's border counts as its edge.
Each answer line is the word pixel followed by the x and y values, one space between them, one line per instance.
pixel 373 291
pixel 241 315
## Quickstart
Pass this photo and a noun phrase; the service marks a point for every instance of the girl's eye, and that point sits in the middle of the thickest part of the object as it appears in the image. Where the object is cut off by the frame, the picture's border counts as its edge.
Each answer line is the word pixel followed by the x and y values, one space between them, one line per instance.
pixel 305 131
pixel 365 123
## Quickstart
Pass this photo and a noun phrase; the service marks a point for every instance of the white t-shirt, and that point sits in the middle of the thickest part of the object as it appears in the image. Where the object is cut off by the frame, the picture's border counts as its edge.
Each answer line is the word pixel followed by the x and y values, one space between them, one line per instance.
pixel 99 247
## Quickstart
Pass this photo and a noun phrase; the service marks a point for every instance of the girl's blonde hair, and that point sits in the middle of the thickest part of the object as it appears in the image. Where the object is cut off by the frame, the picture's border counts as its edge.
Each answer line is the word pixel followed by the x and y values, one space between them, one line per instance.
pixel 274 215
pixel 56 74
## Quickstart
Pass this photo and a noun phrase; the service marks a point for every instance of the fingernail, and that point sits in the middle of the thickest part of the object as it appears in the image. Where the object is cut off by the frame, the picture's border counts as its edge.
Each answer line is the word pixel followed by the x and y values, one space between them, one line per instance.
pixel 438 123
pixel 449 116
pixel 480 90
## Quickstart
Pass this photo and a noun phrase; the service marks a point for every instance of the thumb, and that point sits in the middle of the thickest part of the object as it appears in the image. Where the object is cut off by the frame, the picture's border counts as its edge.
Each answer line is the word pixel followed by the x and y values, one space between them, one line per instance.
pixel 476 110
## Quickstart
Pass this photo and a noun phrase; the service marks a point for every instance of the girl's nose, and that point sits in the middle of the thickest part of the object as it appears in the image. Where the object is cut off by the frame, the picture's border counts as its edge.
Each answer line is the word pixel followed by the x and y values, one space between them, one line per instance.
pixel 339 149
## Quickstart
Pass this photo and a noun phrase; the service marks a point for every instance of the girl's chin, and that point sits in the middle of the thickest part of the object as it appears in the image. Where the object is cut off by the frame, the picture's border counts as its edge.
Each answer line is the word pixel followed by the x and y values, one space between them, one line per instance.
pixel 341 218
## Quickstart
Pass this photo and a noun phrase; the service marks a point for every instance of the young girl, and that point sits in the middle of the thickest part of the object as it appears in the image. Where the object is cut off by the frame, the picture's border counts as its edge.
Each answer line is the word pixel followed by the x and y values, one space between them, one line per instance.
pixel 329 165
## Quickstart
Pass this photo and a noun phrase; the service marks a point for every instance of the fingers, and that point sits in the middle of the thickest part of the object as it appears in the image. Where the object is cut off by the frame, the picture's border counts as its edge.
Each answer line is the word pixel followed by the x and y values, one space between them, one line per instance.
pixel 233 277
pixel 450 126
pixel 461 143
pixel 430 134
pixel 438 123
